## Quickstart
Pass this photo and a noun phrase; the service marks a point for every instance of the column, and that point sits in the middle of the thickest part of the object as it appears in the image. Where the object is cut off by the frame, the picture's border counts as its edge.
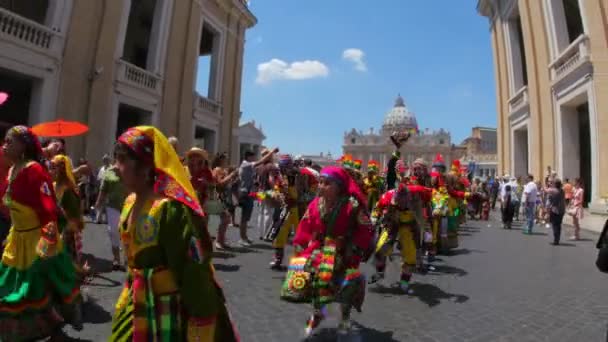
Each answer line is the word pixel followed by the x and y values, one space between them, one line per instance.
pixel 158 37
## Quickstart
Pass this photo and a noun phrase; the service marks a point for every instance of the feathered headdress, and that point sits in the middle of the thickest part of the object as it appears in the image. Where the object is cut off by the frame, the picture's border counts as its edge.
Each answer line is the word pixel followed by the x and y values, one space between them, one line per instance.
pixel 357 164
pixel 372 166
pixel 456 168
pixel 347 161
pixel 439 163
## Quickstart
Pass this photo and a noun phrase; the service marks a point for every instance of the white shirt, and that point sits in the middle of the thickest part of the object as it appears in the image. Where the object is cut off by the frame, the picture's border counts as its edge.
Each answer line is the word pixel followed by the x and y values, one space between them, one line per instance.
pixel 531 192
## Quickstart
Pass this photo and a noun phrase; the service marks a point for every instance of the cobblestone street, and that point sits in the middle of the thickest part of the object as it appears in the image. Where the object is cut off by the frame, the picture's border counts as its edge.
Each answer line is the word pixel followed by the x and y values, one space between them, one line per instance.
pixel 498 286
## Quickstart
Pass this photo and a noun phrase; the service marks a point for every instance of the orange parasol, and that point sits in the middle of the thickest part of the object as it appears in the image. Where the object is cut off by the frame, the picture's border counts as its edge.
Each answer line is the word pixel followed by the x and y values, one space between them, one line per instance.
pixel 3 98
pixel 60 128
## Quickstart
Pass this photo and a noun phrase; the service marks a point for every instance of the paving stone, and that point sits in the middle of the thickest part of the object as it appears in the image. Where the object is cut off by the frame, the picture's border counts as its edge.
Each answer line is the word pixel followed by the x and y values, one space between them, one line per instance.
pixel 500 285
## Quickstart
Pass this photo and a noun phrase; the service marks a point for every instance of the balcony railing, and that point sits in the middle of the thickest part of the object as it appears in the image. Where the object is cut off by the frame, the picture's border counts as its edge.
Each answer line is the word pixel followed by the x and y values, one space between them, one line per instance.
pixel 26 31
pixel 206 105
pixel 518 100
pixel 573 56
pixel 138 77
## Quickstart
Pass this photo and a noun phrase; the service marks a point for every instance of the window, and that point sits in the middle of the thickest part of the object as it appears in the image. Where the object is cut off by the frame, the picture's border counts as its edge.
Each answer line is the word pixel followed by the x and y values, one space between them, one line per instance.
pixel 441 141
pixel 574 22
pixel 353 140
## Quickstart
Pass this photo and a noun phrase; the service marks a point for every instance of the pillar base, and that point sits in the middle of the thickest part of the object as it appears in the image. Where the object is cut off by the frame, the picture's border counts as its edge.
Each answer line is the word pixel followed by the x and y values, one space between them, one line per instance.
pixel 599 206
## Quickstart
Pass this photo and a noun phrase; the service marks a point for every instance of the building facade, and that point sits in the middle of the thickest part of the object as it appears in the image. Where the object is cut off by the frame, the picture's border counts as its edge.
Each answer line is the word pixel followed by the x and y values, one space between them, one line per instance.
pixel 251 138
pixel 481 152
pixel 422 144
pixel 113 64
pixel 551 68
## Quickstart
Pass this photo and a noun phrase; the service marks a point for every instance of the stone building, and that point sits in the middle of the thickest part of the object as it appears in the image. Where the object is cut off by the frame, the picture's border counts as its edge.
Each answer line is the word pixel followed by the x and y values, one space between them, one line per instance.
pixel 251 138
pixel 120 63
pixel 424 144
pixel 551 71
pixel 481 157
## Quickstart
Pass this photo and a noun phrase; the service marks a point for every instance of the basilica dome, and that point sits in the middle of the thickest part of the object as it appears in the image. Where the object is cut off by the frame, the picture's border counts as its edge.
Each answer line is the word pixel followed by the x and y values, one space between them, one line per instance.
pixel 400 117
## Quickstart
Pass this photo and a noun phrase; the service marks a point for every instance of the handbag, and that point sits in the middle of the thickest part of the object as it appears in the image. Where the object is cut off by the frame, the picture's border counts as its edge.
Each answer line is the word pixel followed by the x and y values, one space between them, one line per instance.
pixel 297 286
pixel 213 205
pixel 572 211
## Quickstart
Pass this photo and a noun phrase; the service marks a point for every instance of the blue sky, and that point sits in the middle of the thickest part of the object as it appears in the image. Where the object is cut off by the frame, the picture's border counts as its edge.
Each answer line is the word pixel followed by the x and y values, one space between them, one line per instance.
pixel 435 53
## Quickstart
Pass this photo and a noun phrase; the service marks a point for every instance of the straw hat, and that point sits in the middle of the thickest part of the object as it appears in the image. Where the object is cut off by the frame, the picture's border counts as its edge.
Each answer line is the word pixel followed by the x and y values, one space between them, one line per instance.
pixel 196 151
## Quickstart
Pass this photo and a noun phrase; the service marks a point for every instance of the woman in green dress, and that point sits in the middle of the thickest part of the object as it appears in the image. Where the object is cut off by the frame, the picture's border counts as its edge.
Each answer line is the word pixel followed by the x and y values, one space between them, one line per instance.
pixel 170 292
pixel 39 290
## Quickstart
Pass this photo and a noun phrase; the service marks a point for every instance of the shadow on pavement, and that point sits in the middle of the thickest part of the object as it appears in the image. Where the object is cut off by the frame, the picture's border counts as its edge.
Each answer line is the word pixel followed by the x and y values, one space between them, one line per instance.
pixel 566 244
pixel 94 313
pixel 94 281
pixel 223 255
pixel 431 295
pixel 359 333
pixel 226 268
pixel 464 251
pixel 261 246
pixel 444 269
pixel 98 265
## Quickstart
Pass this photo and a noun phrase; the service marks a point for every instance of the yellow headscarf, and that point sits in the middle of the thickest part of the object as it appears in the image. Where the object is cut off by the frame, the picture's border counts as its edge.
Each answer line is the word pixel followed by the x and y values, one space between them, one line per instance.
pixel 65 163
pixel 150 145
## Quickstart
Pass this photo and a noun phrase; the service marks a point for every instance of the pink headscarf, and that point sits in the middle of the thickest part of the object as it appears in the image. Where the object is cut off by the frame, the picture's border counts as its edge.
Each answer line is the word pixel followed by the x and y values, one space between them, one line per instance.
pixel 340 176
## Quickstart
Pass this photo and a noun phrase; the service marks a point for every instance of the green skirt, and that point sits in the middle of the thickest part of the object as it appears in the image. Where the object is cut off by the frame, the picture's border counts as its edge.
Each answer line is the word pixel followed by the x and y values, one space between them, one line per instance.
pixel 36 301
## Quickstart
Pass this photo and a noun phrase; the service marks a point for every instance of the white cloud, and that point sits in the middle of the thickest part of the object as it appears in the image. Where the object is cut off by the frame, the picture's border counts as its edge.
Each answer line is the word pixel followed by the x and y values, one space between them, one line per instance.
pixel 356 56
pixel 276 69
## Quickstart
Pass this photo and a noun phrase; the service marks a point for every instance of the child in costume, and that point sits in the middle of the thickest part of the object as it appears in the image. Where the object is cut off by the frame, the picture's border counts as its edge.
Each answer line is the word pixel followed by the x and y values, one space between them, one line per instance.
pixel 333 237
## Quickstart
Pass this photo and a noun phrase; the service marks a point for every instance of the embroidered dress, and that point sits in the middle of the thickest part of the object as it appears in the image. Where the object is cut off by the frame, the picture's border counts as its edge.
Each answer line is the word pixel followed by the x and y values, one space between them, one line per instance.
pixel 71 222
pixel 38 283
pixel 333 244
pixel 170 293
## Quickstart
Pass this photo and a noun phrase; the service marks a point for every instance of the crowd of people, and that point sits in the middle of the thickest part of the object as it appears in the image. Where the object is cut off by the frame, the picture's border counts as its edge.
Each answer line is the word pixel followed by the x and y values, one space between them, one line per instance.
pixel 156 204
pixel 542 203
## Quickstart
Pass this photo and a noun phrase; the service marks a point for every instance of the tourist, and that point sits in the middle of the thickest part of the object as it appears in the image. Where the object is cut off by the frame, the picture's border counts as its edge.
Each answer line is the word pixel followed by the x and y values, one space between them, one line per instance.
pixel 335 227
pixel 518 189
pixel 576 210
pixel 170 293
pixel 112 194
pixel 200 173
pixel 34 250
pixel 508 207
pixel 223 179
pixel 530 198
pixel 101 213
pixel 263 173
pixel 555 207
pixel 568 191
pixel 246 188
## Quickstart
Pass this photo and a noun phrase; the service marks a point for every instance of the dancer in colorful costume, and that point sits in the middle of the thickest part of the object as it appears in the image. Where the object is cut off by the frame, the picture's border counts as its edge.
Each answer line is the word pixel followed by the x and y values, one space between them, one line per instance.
pixel 333 237
pixel 457 203
pixel 399 214
pixel 68 200
pixel 5 217
pixel 170 293
pixel 289 218
pixel 373 184
pixel 440 210
pixel 39 289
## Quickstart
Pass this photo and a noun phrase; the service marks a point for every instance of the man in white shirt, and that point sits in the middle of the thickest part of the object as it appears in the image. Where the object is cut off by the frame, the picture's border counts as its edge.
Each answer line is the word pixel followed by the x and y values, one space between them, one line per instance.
pixel 529 198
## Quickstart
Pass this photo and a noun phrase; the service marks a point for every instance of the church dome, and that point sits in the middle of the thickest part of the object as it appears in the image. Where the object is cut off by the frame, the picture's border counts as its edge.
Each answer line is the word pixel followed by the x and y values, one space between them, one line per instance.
pixel 400 116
